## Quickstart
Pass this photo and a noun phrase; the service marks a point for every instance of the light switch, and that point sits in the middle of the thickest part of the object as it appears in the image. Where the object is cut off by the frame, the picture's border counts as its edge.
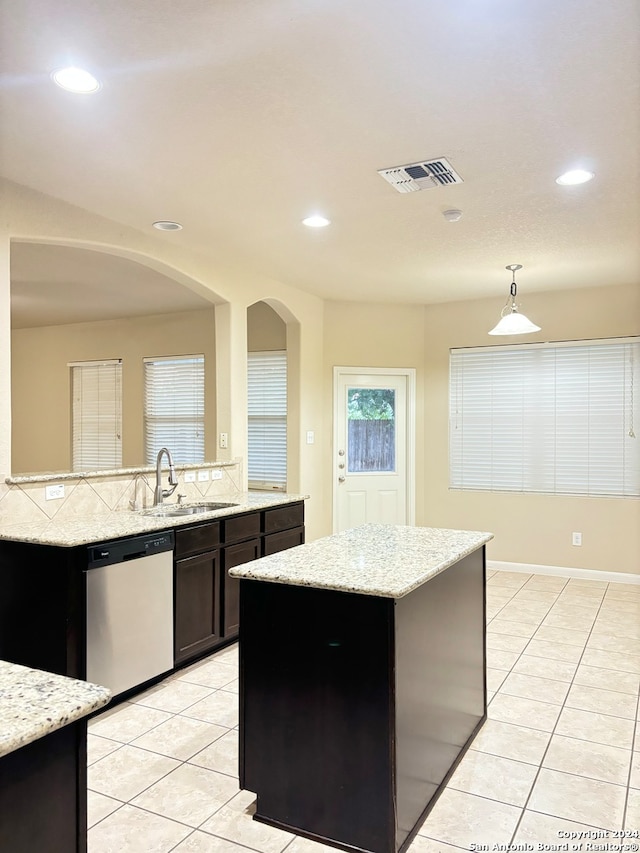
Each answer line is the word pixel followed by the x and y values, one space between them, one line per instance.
pixel 224 440
pixel 189 476
pixel 216 474
pixel 203 476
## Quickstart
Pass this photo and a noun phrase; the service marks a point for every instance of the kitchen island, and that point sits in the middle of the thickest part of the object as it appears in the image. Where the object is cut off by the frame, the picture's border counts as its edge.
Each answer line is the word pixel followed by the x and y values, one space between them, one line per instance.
pixel 362 680
pixel 43 759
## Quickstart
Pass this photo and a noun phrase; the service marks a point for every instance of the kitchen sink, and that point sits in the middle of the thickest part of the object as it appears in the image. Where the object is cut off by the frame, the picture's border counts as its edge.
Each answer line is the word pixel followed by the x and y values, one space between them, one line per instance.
pixel 174 510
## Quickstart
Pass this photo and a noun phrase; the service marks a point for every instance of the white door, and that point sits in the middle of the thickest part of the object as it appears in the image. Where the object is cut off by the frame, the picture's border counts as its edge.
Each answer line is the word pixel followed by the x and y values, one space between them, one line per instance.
pixel 373 446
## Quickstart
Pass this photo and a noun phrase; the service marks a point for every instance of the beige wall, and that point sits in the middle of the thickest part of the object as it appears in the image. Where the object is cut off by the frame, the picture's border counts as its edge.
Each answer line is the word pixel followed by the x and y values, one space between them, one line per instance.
pixel 41 402
pixel 528 528
pixel 266 330
pixel 5 358
pixel 373 335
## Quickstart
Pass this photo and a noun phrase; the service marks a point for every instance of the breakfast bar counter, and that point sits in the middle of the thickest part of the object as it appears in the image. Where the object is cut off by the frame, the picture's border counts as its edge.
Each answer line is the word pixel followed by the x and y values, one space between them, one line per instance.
pixel 362 680
pixel 43 758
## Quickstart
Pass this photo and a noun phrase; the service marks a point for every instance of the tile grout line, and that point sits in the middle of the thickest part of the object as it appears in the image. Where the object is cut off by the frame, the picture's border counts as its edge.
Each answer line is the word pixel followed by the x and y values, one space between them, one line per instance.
pixel 636 730
pixel 181 763
pixel 528 639
pixel 540 767
pixel 129 802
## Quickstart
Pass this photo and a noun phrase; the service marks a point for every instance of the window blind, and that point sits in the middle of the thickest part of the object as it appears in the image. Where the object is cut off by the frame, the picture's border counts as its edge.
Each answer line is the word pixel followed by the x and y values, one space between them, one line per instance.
pixel 174 407
pixel 550 418
pixel 96 414
pixel 267 419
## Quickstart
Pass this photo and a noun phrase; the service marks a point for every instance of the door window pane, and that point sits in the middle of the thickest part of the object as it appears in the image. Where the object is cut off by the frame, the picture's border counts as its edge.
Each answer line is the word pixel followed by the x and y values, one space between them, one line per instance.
pixel 371 430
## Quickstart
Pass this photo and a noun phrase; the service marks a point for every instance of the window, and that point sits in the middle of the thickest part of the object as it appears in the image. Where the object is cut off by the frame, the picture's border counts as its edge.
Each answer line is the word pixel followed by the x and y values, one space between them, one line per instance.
pixel 96 415
pixel 371 425
pixel 174 407
pixel 550 418
pixel 267 414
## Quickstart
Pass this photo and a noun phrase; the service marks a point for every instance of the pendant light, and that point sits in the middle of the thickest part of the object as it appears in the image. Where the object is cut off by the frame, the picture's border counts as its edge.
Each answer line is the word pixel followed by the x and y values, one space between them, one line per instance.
pixel 512 322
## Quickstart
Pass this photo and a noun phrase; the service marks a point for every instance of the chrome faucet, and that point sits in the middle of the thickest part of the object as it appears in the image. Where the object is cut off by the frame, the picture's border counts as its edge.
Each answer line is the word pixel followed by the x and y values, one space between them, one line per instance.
pixel 161 493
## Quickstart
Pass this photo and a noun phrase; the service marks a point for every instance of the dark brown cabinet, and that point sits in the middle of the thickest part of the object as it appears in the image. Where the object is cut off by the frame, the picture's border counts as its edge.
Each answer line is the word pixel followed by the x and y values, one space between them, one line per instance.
pixel 206 598
pixel 43 599
pixel 283 517
pixel 43 802
pixel 281 541
pixel 197 605
pixel 350 731
pixel 236 555
pixel 43 588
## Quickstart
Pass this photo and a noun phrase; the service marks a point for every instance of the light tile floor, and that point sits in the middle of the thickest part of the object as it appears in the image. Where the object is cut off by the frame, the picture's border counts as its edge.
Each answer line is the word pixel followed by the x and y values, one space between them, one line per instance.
pixel 559 753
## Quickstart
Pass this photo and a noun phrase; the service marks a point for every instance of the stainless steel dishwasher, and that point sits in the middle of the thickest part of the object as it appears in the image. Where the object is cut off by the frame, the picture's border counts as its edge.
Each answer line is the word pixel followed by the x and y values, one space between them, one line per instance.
pixel 130 610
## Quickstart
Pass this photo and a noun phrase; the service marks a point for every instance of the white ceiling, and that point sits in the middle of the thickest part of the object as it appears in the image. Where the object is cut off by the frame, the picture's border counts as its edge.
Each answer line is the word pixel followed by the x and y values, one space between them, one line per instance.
pixel 240 118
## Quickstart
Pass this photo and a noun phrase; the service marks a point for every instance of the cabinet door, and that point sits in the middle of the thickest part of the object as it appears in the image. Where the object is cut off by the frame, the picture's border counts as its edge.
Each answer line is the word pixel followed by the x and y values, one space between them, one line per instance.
pixel 197 612
pixel 235 555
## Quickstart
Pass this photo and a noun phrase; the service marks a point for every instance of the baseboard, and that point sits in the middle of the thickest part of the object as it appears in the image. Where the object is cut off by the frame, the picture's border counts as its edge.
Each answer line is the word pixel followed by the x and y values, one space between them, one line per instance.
pixel 564 572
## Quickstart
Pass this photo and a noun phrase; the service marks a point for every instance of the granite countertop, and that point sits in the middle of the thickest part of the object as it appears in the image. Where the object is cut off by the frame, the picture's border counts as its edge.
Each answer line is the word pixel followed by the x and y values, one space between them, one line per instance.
pixel 375 559
pixel 34 703
pixel 114 525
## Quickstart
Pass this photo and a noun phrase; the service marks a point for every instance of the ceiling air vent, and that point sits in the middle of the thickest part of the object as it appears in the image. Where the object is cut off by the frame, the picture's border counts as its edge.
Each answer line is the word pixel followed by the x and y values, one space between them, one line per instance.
pixel 421 176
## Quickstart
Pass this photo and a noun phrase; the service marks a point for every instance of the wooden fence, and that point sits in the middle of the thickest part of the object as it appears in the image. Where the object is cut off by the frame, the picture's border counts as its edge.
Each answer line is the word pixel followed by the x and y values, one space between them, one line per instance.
pixel 372 446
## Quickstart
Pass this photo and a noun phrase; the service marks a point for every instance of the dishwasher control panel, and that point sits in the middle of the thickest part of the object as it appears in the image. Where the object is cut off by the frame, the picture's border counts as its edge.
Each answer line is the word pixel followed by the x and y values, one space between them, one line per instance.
pixel 120 550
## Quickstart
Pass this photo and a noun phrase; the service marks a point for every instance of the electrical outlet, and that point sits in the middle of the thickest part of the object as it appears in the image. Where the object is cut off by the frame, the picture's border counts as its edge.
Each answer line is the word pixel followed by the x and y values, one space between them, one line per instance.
pixel 576 538
pixel 311 436
pixel 203 476
pixel 52 493
pixel 224 440
pixel 216 474
pixel 189 476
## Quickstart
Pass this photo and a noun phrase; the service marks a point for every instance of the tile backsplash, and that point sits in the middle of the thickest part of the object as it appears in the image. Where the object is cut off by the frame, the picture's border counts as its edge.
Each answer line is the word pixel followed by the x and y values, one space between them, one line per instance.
pixel 91 495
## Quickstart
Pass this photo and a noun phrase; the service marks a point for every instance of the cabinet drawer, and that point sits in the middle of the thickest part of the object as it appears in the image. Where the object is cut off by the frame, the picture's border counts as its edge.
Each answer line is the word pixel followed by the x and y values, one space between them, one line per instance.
pixel 243 552
pixel 281 518
pixel 196 540
pixel 241 527
pixel 281 541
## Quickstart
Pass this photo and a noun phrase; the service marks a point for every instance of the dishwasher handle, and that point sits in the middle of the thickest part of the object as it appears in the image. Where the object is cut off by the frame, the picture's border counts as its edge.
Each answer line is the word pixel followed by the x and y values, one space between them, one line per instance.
pixel 121 550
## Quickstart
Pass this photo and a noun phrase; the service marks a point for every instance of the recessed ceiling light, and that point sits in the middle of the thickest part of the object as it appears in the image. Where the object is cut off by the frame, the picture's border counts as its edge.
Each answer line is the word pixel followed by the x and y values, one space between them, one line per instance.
pixel 575 176
pixel 316 221
pixel 452 215
pixel 167 225
pixel 76 80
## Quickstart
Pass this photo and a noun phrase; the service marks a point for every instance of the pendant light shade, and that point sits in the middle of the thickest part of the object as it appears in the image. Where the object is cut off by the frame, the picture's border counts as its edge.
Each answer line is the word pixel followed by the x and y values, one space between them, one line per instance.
pixel 512 322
